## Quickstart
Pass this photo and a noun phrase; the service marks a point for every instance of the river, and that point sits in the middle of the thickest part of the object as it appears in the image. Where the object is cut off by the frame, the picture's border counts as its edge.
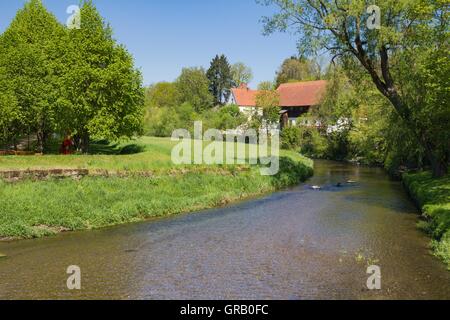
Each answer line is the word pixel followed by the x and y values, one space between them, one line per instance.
pixel 295 244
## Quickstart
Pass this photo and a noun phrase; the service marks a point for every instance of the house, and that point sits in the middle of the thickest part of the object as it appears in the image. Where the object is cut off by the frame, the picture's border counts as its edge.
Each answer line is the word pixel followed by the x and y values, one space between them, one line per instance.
pixel 245 98
pixel 296 99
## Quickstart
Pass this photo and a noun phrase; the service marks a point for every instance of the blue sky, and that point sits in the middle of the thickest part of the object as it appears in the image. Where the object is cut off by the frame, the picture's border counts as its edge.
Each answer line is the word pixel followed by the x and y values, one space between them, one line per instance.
pixel 166 35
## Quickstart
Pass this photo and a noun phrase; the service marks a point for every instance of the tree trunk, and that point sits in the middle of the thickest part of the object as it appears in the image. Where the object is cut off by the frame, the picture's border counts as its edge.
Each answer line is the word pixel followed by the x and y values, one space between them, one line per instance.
pixel 85 143
pixel 40 141
pixel 439 165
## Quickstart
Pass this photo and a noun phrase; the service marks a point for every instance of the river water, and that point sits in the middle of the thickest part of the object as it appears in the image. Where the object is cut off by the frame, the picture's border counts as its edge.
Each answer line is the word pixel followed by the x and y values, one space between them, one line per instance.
pixel 295 244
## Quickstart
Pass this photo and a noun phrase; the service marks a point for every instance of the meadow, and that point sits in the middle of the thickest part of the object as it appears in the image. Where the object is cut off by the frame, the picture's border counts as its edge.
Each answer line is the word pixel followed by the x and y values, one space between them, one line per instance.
pixel 35 208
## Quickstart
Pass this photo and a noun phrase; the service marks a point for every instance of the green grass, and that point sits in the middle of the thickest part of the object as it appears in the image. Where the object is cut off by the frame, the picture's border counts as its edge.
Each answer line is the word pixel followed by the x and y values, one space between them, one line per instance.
pixel 39 208
pixel 433 196
pixel 154 154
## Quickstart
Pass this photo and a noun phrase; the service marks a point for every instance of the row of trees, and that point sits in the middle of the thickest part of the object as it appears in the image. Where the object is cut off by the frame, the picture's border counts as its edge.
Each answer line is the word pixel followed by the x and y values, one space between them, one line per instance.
pixel 406 60
pixel 201 95
pixel 174 105
pixel 196 95
pixel 56 80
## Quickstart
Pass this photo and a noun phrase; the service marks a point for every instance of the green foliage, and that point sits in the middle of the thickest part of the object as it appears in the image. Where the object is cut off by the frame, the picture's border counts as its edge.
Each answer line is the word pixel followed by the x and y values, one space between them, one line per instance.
pixel 10 116
pixel 193 88
pixel 225 118
pixel 55 80
pixel 161 122
pixel 376 134
pixel 269 101
pixel 220 79
pixel 103 92
pixel 291 138
pixel 313 143
pixel 266 86
pixel 241 74
pixel 405 58
pixel 433 195
pixel 297 69
pixel 30 65
pixel 97 202
pixel 163 94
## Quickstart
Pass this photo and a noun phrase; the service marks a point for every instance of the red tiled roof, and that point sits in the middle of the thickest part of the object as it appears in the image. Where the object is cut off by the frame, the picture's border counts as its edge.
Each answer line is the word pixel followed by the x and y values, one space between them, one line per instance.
pixel 302 94
pixel 244 96
pixel 298 94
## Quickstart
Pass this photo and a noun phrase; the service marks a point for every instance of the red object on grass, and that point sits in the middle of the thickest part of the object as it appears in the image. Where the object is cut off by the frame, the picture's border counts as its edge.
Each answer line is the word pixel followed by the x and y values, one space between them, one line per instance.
pixel 66 146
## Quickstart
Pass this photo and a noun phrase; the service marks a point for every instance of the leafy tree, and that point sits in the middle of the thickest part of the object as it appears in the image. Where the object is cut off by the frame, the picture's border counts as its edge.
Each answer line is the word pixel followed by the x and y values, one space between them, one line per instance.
pixel 193 87
pixel 291 138
pixel 297 69
pixel 266 86
pixel 220 79
pixel 163 94
pixel 30 65
pixel 269 101
pixel 103 91
pixel 241 74
pixel 10 120
pixel 399 55
pixel 225 118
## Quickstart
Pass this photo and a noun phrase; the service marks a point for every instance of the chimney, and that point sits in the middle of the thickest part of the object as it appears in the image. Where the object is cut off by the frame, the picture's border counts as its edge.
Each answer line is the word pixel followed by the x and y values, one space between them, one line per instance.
pixel 243 86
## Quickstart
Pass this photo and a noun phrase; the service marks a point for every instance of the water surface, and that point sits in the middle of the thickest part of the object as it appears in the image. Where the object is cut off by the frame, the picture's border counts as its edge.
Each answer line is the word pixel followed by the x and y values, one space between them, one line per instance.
pixel 295 244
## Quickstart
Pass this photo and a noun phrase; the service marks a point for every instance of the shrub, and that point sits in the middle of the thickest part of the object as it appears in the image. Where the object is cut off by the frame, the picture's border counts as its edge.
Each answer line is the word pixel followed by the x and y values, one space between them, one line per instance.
pixel 291 138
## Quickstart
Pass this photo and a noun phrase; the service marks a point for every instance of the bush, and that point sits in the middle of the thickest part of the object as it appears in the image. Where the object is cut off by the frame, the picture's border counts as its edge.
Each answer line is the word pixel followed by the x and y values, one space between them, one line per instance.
pixel 433 196
pixel 291 138
pixel 313 143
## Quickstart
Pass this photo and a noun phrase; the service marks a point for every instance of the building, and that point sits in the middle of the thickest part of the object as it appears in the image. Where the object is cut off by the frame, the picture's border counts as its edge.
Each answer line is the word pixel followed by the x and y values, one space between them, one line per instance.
pixel 296 99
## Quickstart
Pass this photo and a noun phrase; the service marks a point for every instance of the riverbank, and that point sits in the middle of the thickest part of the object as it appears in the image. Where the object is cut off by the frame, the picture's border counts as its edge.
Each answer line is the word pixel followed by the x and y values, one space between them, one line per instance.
pixel 33 208
pixel 433 197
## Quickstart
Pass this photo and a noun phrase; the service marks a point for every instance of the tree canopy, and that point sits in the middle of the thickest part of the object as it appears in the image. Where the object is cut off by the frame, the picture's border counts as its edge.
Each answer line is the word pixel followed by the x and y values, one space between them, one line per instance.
pixel 400 54
pixel 241 74
pixel 297 69
pixel 220 78
pixel 68 81
pixel 193 87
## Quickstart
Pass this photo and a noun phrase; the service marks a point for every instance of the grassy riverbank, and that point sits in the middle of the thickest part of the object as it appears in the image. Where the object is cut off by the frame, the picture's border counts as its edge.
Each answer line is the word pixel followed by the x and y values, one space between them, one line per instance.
pixel 433 196
pixel 36 208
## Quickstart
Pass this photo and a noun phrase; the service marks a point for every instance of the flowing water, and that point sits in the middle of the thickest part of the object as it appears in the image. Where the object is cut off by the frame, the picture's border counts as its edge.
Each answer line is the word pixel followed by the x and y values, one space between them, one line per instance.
pixel 295 244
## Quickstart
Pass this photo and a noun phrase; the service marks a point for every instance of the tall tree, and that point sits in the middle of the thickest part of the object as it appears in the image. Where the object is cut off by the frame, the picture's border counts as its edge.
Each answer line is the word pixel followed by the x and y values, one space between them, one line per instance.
pixel 163 95
pixel 269 101
pixel 266 86
pixel 31 64
pixel 103 93
pixel 297 69
pixel 380 38
pixel 241 74
pixel 220 79
pixel 193 86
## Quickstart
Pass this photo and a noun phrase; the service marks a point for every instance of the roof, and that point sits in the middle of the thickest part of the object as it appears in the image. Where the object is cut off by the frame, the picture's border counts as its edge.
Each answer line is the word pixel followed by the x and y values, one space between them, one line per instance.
pixel 298 94
pixel 302 94
pixel 244 96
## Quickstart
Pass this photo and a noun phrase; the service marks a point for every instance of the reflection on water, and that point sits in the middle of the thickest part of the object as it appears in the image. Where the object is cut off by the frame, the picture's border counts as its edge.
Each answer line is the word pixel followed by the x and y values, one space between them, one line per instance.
pixel 296 244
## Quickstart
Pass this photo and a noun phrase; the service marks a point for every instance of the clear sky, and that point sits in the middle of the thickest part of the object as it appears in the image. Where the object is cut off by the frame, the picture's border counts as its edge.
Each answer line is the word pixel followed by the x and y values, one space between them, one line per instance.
pixel 166 35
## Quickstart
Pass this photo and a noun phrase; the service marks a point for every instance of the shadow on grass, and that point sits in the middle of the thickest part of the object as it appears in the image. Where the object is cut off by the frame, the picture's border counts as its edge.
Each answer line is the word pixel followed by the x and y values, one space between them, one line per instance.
pixel 103 147
pixel 100 147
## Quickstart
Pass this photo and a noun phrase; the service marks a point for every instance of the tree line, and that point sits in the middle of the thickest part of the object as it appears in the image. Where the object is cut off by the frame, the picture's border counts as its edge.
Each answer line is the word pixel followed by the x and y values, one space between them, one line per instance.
pixel 56 80
pixel 405 60
pixel 196 95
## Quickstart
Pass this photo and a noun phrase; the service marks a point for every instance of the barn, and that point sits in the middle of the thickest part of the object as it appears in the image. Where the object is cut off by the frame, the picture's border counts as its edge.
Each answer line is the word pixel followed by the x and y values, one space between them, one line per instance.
pixel 296 99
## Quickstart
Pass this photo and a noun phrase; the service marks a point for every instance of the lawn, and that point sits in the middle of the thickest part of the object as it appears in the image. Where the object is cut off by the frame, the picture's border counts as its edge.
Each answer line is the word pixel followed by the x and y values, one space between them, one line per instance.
pixel 147 154
pixel 36 208
pixel 433 196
